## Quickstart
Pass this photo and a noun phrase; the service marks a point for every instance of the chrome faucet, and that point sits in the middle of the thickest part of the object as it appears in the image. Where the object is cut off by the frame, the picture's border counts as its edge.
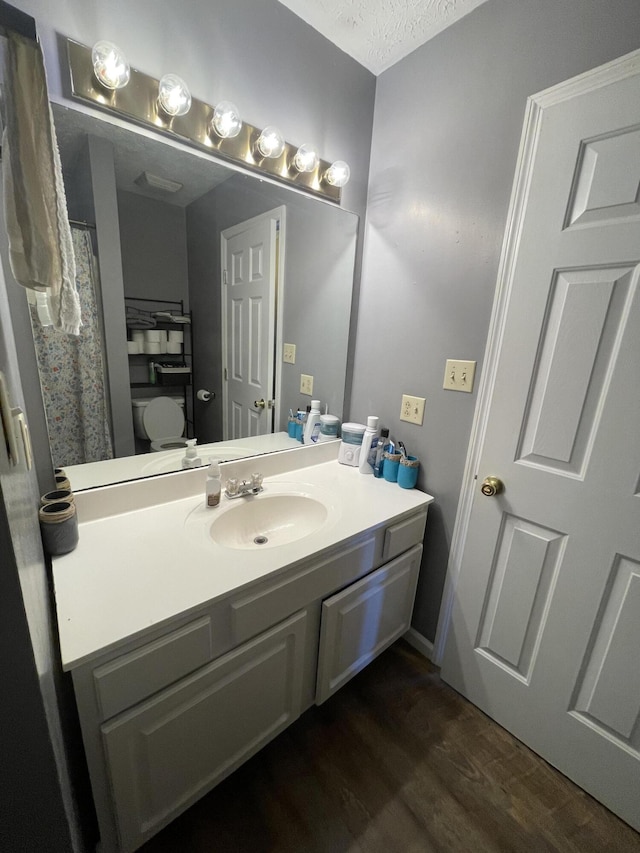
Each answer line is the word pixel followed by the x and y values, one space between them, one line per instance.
pixel 234 489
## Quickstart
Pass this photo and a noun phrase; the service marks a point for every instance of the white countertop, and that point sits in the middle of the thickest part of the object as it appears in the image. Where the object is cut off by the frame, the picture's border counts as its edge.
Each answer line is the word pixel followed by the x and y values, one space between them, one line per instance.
pixel 154 560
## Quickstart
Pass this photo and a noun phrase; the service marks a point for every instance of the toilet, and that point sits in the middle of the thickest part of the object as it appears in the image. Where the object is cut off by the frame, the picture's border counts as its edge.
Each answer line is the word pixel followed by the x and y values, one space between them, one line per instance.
pixel 159 420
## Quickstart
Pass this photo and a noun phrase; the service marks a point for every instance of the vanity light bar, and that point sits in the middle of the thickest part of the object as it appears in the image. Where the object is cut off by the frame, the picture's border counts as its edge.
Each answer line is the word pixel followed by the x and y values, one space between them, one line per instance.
pixel 138 100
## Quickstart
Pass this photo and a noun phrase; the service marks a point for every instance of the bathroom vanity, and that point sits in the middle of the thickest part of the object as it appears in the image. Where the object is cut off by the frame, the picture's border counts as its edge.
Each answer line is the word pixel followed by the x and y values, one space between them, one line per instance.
pixel 189 655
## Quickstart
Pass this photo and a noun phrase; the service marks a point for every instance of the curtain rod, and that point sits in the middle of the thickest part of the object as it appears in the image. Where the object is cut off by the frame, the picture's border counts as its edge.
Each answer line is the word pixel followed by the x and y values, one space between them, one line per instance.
pixel 17 21
pixel 80 223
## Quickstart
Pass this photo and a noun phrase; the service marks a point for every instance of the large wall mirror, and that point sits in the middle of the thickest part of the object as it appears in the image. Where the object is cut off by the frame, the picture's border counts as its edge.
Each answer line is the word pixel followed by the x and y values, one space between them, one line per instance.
pixel 169 244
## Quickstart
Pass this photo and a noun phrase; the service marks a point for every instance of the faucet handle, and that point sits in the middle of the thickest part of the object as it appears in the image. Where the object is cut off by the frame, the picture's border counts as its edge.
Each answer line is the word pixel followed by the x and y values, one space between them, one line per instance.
pixel 232 486
pixel 256 481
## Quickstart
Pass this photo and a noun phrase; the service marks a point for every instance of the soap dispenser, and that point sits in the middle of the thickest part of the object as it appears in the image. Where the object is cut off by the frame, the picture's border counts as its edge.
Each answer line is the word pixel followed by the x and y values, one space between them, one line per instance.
pixel 214 485
pixel 191 458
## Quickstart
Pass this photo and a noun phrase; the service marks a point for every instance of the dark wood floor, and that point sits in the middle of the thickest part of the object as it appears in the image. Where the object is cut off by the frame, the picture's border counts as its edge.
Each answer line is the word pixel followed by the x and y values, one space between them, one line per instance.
pixel 396 762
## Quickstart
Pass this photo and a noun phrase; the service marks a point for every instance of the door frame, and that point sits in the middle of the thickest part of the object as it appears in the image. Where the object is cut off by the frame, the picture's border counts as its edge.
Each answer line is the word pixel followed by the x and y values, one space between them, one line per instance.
pixel 277 215
pixel 603 75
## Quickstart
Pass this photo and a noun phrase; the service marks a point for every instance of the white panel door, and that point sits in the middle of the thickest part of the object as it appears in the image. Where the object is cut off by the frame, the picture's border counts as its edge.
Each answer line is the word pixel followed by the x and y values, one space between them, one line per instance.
pixel 249 255
pixel 545 630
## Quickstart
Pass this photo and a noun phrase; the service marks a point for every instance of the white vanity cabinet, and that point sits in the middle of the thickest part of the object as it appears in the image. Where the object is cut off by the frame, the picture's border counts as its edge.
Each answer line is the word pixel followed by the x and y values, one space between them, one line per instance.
pixel 167 715
pixel 165 753
pixel 363 620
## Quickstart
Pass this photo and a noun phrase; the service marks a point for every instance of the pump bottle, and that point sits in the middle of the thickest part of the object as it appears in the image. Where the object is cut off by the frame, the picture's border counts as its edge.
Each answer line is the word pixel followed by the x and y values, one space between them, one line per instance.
pixel 369 446
pixel 312 427
pixel 214 486
pixel 191 458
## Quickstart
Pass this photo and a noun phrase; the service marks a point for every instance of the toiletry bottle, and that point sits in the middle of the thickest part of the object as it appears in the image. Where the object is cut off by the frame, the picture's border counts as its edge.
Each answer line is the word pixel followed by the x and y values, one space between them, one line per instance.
pixel 214 486
pixel 312 427
pixel 300 422
pixel 368 449
pixel 383 443
pixel 152 372
pixel 191 458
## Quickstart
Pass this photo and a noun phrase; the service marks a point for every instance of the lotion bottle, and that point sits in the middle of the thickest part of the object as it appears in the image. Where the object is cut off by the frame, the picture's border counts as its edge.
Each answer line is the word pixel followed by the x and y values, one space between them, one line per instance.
pixel 312 427
pixel 369 446
pixel 214 486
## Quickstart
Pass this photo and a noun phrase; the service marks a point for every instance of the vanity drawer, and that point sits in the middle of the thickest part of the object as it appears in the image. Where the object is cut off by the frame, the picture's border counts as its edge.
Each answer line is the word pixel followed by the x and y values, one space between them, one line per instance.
pixel 127 680
pixel 400 537
pixel 262 608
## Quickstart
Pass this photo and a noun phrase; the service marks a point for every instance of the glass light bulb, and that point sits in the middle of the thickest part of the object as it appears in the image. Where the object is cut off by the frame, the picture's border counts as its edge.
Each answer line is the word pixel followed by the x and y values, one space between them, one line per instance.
pixel 173 95
pixel 338 174
pixel 110 65
pixel 271 142
pixel 306 158
pixel 226 121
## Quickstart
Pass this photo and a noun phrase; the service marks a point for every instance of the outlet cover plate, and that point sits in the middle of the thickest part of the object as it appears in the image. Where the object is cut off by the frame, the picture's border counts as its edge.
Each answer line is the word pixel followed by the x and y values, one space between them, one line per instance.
pixel 289 353
pixel 306 384
pixel 412 409
pixel 459 375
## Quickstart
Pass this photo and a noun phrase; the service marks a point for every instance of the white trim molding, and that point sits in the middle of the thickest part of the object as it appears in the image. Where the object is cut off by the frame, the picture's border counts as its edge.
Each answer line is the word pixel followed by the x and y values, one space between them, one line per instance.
pixel 604 75
pixel 420 643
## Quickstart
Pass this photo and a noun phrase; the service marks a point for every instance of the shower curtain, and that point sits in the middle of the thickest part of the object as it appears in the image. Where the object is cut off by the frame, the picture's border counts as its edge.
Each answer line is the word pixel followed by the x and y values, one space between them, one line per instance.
pixel 72 373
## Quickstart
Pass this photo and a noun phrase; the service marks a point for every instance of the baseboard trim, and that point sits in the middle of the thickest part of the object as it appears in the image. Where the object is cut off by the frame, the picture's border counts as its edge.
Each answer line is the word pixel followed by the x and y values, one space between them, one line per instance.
pixel 419 643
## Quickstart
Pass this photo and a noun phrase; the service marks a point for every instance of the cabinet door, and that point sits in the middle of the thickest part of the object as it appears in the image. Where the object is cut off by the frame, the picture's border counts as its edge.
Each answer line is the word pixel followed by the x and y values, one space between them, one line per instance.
pixel 364 619
pixel 166 753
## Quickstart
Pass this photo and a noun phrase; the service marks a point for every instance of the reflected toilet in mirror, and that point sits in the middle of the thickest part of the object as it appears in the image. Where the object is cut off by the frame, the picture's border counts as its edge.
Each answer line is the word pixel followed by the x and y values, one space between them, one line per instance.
pixel 159 423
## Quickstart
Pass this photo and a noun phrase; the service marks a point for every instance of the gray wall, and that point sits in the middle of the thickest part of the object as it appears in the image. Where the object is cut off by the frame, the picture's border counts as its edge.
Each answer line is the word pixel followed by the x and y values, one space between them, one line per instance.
pixel 319 266
pixel 446 132
pixel 37 808
pixel 105 201
pixel 153 241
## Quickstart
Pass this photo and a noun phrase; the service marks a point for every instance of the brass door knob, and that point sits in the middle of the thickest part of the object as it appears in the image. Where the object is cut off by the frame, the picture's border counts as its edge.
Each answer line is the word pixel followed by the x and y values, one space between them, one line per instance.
pixel 491 486
pixel 259 404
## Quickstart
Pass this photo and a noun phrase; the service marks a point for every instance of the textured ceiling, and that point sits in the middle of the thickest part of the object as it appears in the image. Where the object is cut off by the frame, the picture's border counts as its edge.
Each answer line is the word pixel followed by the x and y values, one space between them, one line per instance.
pixel 378 33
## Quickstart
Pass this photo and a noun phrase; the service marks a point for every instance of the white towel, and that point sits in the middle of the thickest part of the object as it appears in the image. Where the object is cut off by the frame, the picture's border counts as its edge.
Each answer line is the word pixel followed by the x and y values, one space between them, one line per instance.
pixel 41 251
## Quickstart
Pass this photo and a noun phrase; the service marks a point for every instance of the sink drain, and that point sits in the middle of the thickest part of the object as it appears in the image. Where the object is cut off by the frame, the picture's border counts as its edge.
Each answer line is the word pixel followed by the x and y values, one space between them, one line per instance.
pixel 260 540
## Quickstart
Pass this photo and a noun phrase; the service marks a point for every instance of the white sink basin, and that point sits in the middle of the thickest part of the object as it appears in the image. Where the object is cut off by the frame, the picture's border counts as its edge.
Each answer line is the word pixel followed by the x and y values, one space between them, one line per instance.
pixel 266 521
pixel 284 512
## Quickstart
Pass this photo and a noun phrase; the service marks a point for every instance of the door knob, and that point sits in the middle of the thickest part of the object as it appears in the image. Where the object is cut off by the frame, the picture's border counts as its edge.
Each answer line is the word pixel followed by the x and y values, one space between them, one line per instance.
pixel 259 404
pixel 491 486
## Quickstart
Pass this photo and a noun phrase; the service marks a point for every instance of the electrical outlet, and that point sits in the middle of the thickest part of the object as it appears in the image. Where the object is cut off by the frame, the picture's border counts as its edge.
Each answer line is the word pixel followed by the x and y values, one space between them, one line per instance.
pixel 459 375
pixel 412 409
pixel 306 384
pixel 289 354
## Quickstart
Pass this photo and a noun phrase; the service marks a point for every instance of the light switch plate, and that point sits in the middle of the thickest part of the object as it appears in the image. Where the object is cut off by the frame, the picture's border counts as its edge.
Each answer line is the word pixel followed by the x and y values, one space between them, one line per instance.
pixel 459 375
pixel 306 384
pixel 289 353
pixel 412 409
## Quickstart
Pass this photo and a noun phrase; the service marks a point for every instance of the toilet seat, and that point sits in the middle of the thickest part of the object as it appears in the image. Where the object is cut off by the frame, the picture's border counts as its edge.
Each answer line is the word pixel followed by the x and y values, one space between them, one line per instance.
pixel 171 443
pixel 163 418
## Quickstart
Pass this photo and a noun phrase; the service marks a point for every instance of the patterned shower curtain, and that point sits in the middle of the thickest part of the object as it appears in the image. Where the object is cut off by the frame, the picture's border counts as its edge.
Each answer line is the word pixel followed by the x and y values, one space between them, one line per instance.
pixel 72 373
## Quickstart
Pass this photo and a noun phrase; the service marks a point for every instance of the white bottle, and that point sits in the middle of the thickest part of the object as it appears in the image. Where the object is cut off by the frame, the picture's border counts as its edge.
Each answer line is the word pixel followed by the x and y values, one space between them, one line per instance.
pixel 214 486
pixel 312 426
pixel 369 445
pixel 191 458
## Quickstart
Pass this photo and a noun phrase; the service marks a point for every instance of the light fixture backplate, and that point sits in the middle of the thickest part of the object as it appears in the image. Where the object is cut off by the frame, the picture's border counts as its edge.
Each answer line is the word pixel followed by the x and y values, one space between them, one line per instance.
pixel 138 102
